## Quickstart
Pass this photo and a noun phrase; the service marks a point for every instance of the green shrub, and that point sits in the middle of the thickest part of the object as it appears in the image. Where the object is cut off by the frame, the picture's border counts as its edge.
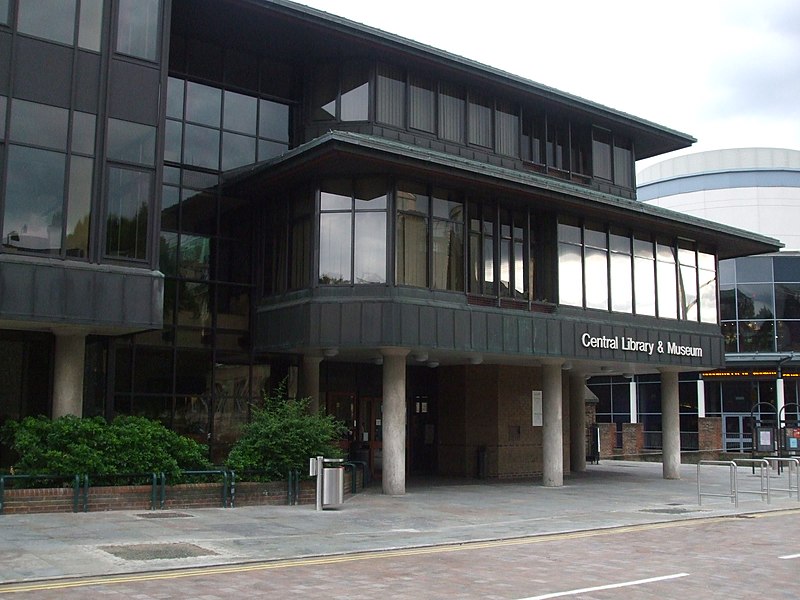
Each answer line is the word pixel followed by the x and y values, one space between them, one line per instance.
pixel 283 435
pixel 127 445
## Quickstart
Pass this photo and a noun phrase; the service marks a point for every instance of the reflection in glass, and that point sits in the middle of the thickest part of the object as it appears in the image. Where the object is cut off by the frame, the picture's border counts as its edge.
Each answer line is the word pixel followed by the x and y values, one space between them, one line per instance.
pixel 448 255
pixel 480 122
pixel 355 94
pixel 621 283
pixel 239 113
pixel 273 121
pixel 412 232
pixel 34 200
pixel 688 292
pixel 172 143
pixel 422 104
pixel 708 296
pixel 752 269
pixel 336 195
pixel 666 283
pixel 334 248
pixel 570 275
pixel 325 91
pixel 370 247
pixel 129 195
pixel 596 271
pixel 47 19
pixel 3 104
pixel 390 96
pixel 79 205
pixel 203 104
pixel 195 257
pixel 131 142
pixel 452 108
pixel 756 336
pixel 268 149
pixel 38 124
pixel 168 255
pixel 4 13
pixel 137 28
pixel 644 284
pixel 201 147
pixel 601 154
pixel 83 128
pixel 237 150
pixel 175 98
pixel 90 24
pixel 194 303
pixel 787 300
pixel 755 301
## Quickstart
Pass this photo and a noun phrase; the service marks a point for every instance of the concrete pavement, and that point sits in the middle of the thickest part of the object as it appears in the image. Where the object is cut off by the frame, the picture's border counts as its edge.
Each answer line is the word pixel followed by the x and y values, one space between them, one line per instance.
pixel 432 512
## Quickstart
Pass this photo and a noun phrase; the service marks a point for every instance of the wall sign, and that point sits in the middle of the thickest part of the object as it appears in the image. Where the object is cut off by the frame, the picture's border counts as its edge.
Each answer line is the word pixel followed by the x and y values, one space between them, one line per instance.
pixel 629 344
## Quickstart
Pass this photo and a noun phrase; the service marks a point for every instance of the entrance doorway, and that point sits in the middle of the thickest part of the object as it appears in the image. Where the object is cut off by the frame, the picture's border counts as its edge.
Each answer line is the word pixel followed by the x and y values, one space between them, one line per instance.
pixel 736 433
pixel 369 434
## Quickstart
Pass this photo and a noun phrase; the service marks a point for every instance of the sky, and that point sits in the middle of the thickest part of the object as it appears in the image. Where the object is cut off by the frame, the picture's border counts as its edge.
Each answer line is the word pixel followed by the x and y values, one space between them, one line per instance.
pixel 726 72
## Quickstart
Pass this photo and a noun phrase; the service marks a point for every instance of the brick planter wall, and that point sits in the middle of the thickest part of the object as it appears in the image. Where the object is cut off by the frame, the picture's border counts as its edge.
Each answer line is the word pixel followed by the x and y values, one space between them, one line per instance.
pixel 709 437
pixel 632 438
pixel 182 496
pixel 608 439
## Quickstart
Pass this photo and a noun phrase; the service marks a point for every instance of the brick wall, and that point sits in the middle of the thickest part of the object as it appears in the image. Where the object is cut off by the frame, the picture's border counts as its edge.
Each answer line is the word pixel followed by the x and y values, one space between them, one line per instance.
pixel 608 439
pixel 632 438
pixel 709 437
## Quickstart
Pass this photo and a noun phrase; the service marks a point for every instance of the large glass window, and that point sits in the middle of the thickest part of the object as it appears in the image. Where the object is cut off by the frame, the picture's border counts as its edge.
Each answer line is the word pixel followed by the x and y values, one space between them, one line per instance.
pixel 687 283
pixel 413 210
pixel 507 119
pixel 79 204
pixel 38 124
pixel 452 107
pixel 596 267
pixel 644 273
pixel 129 194
pixel 666 281
pixel 482 218
pixel 47 19
pixel 355 93
pixel 621 272
pixel 707 282
pixel 352 246
pixel 601 154
pixel 137 28
pixel 390 97
pixel 447 245
pixel 34 201
pixel 570 263
pixel 480 121
pixel 131 142
pixel 623 162
pixel 90 24
pixel 533 139
pixel 512 254
pixel 422 104
pixel 4 12
pixel 557 146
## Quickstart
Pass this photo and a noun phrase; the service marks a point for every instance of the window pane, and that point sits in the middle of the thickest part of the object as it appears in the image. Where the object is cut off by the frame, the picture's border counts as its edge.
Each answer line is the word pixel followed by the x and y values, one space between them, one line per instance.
pixel 128 207
pixel 390 101
pixel 451 113
pixel 507 129
pixel 172 143
pixel 370 247
pixel 83 128
pixel 355 94
pixel 621 283
pixel 688 291
pixel 755 301
pixel 239 113
pixel 34 200
pixel 645 286
pixel 335 248
pixel 370 194
pixel 336 195
pixel 90 24
pixel 268 149
pixel 667 284
pixel 753 269
pixel 325 92
pixel 596 272
pixel 203 104
pixel 3 104
pixel 137 28
pixel 4 11
pixel 131 142
pixel 422 105
pixel 237 150
pixel 273 121
pixel 175 98
pixel 480 122
pixel 48 19
pixel 79 205
pixel 756 336
pixel 623 163
pixel 448 256
pixel 601 154
pixel 570 275
pixel 201 147
pixel 195 258
pixel 412 249
pixel 708 297
pixel 787 300
pixel 38 124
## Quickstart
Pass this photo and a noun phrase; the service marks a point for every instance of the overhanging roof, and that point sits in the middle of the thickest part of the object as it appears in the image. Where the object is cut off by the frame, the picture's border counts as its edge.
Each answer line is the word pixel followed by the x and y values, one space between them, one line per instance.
pixel 650 139
pixel 338 153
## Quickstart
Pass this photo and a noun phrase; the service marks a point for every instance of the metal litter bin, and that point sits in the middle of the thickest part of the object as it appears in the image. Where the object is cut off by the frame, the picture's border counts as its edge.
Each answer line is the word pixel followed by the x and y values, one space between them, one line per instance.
pixel 330 481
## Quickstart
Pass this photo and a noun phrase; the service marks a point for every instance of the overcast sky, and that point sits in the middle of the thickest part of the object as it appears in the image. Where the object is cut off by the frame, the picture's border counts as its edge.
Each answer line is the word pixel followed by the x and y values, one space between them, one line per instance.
pixel 726 72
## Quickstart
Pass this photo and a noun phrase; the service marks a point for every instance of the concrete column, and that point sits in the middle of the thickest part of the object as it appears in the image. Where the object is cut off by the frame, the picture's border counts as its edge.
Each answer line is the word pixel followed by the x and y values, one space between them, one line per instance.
pixel 670 425
pixel 552 452
pixel 309 381
pixel 70 356
pixel 394 421
pixel 577 422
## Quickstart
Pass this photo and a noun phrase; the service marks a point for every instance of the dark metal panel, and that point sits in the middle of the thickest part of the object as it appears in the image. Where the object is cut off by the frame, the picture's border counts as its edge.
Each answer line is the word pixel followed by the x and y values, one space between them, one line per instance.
pixel 568 345
pixel 540 337
pixel 462 331
pixel 511 334
pixel 136 300
pixel 133 92
pixel 526 334
pixel 42 72
pixel 16 289
pixel 351 323
pixel 314 324
pixel 5 61
pixel 79 295
pixel 109 294
pixel 330 324
pixel 87 85
pixel 494 330
pixel 479 331
pixel 445 333
pixel 371 323
pixel 427 326
pixel 553 338
pixel 48 292
pixel 409 324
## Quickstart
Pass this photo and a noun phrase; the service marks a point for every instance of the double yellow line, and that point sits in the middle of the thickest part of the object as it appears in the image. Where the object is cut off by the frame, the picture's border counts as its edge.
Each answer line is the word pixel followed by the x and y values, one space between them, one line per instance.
pixel 62 584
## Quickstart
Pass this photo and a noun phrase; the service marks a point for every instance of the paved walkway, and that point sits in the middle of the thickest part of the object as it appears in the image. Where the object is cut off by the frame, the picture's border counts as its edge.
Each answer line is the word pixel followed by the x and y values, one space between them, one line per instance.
pixel 612 494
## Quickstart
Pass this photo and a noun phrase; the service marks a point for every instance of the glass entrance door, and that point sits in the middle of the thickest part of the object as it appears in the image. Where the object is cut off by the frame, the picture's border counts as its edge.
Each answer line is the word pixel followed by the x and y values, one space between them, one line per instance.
pixel 369 434
pixel 736 432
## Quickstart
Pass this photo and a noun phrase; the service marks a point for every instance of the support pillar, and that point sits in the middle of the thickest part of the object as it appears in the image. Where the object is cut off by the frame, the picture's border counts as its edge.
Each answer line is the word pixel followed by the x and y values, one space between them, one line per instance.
pixel 309 381
pixel 552 439
pixel 670 426
pixel 394 422
pixel 577 422
pixel 70 355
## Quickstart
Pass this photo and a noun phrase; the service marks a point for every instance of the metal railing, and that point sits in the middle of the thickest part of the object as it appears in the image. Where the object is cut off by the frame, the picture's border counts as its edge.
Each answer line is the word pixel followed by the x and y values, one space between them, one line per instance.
pixel 765 488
